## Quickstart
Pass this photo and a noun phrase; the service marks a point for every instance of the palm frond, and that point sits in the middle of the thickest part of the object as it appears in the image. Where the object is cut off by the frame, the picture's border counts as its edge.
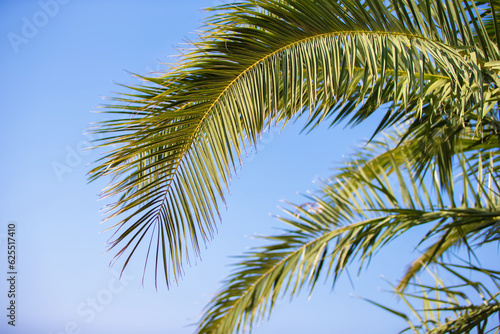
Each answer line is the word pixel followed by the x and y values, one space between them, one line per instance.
pixel 179 137
pixel 370 202
pixel 459 308
pixel 265 274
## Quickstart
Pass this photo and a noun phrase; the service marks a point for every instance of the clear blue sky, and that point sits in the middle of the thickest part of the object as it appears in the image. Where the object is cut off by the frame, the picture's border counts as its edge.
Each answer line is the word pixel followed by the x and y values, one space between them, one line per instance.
pixel 57 62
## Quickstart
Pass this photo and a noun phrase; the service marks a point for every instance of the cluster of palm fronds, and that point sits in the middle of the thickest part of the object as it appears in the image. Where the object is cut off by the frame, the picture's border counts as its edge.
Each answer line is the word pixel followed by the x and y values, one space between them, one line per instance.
pixel 431 68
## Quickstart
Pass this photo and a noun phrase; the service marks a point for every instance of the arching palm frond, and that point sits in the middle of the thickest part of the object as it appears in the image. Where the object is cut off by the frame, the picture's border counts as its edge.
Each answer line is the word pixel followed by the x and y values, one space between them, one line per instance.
pixel 374 199
pixel 178 138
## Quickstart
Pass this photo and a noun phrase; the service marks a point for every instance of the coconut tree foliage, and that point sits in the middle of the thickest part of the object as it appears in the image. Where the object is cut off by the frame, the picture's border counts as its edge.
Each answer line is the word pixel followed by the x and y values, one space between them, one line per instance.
pixel 430 68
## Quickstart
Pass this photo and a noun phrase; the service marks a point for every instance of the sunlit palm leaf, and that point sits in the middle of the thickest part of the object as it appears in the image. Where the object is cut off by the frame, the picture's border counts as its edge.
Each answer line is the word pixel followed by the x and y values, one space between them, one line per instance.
pixel 175 147
pixel 373 200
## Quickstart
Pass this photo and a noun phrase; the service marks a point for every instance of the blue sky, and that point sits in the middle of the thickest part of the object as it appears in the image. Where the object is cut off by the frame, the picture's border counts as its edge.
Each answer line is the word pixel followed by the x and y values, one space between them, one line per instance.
pixel 59 58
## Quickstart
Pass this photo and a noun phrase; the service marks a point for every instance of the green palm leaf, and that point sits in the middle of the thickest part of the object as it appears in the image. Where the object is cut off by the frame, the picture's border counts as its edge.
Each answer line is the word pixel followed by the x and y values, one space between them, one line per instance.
pixel 443 308
pixel 179 137
pixel 370 202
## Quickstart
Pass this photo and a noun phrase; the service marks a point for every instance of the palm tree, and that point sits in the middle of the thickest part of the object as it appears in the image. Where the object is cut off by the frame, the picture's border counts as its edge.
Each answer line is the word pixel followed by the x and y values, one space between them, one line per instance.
pixel 429 67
